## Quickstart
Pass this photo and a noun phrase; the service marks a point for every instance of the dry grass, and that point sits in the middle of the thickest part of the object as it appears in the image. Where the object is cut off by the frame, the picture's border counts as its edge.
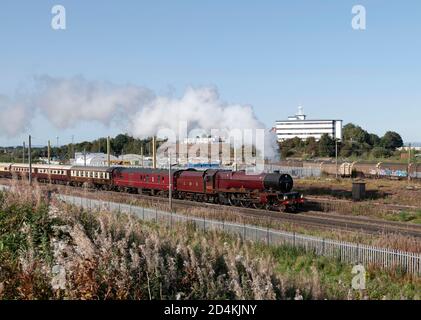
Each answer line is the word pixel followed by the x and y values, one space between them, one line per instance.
pixel 400 242
pixel 110 256
pixel 378 191
pixel 58 251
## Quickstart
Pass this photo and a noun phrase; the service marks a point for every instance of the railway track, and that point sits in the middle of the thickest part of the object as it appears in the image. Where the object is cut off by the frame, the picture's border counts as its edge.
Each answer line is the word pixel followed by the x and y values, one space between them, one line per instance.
pixel 314 219
pixel 309 218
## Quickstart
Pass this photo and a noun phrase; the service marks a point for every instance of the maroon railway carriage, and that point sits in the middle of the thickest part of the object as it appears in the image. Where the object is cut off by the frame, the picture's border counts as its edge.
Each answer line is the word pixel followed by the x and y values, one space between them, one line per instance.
pixel 51 173
pixel 142 180
pixel 5 170
pixel 98 177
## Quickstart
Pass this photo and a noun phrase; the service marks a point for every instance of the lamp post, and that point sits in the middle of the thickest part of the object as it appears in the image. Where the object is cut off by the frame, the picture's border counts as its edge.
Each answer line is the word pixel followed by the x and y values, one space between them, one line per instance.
pixel 336 156
pixel 409 162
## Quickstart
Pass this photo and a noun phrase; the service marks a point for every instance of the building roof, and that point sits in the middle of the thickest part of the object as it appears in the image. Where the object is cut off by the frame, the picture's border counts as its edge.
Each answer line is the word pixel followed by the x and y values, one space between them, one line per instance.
pixel 308 120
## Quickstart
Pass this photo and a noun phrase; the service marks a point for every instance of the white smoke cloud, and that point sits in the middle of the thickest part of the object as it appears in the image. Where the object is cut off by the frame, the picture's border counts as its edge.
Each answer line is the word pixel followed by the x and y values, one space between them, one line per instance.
pixel 202 109
pixel 14 117
pixel 66 102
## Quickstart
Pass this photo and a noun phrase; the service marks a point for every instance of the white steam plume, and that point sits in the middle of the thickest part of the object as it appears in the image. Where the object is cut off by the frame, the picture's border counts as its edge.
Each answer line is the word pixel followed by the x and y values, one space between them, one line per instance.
pixel 15 117
pixel 66 102
pixel 201 108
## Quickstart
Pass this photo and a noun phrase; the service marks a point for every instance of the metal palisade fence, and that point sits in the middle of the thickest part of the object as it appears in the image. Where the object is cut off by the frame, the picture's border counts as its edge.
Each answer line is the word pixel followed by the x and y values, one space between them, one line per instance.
pixel 346 252
pixel 299 172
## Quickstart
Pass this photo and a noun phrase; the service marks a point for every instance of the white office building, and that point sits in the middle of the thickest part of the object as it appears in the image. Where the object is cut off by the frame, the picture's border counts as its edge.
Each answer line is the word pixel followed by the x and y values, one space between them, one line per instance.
pixel 299 126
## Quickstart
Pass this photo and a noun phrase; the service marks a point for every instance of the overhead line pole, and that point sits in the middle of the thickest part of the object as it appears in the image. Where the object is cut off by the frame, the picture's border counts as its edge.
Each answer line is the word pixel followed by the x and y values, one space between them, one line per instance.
pixel 169 182
pixel 108 151
pixel 49 152
pixel 409 162
pixel 30 161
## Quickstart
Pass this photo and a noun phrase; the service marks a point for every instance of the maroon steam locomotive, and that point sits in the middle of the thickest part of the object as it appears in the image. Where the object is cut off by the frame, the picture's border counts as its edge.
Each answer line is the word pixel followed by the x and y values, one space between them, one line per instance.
pixel 271 191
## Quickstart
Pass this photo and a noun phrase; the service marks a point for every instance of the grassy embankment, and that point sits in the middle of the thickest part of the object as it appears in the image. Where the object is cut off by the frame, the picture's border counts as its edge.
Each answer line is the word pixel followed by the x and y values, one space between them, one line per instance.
pixel 57 251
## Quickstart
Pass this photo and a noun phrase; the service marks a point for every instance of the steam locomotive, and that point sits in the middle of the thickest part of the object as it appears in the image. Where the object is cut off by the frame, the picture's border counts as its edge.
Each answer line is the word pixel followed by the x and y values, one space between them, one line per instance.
pixel 270 191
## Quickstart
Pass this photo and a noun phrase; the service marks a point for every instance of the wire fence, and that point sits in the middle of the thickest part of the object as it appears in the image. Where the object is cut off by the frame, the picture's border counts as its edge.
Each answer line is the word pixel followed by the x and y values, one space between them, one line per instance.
pixel 352 253
pixel 416 175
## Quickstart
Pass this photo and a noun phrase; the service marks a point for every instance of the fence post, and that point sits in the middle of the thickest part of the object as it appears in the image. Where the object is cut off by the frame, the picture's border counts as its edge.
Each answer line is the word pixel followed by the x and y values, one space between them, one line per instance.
pixel 267 235
pixel 204 224
pixel 293 239
pixel 156 215
pixel 323 246
pixel 358 253
pixel 244 231
pixel 143 213
pixel 171 220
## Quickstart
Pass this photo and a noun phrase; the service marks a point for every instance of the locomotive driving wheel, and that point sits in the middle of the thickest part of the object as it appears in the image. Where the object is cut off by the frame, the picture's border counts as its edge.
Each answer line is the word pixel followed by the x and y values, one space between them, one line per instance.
pixel 233 201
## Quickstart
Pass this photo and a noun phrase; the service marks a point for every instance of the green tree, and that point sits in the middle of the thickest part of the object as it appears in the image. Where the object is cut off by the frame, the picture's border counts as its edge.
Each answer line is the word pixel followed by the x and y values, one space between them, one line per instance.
pixel 374 140
pixel 326 146
pixel 391 140
pixel 354 133
pixel 380 152
pixel 119 142
pixel 311 147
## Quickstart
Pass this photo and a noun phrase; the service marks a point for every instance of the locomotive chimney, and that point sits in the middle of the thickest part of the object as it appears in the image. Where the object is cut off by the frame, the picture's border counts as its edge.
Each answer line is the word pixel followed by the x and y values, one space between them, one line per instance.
pixel 154 152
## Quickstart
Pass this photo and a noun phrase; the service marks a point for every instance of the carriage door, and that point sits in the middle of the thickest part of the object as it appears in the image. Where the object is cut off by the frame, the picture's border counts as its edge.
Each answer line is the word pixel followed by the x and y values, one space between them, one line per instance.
pixel 209 187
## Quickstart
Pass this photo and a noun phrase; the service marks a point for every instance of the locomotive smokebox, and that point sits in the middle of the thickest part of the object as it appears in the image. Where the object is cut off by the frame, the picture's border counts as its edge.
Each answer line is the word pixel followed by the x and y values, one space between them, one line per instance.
pixel 279 182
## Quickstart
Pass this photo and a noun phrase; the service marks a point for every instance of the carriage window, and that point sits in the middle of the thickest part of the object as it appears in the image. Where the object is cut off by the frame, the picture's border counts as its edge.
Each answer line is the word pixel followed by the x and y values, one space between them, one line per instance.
pixel 147 178
pixel 159 179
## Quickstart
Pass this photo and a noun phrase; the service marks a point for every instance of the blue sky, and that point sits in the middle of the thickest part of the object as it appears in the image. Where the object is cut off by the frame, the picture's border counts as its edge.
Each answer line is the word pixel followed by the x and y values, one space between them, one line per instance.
pixel 273 55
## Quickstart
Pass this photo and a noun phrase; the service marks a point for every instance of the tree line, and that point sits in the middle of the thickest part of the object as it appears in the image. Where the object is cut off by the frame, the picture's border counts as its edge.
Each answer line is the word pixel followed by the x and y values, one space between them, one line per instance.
pixel 356 143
